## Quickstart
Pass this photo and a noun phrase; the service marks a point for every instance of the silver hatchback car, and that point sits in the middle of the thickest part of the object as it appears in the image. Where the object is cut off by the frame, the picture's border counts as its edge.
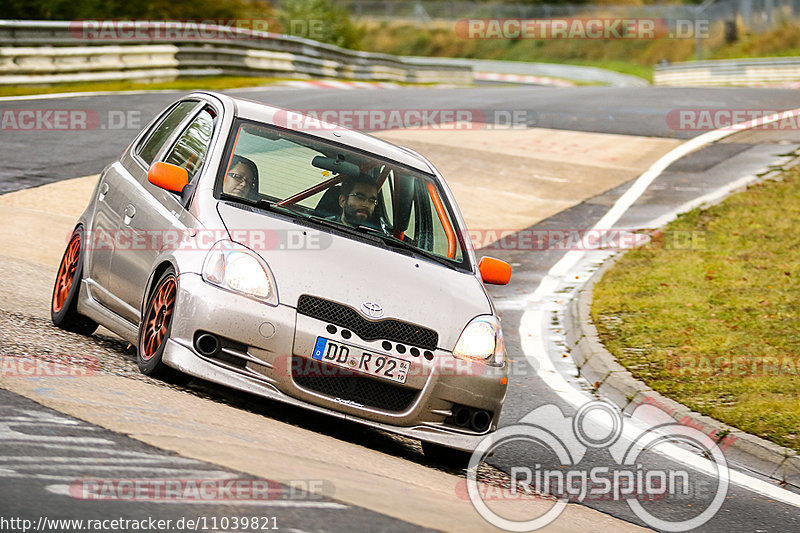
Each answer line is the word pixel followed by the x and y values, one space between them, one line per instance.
pixel 317 266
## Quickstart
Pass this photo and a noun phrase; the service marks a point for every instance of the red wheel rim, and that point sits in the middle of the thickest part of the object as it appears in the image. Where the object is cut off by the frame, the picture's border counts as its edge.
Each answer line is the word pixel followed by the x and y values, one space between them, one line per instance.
pixel 157 319
pixel 66 272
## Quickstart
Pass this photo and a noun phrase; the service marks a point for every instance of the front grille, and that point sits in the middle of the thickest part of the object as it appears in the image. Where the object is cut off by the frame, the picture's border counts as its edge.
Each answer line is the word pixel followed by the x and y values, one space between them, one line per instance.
pixel 370 330
pixel 338 383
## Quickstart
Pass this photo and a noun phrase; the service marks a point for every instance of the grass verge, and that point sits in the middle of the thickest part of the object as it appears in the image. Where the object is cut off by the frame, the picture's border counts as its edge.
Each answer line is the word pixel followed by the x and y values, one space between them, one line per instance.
pixel 183 84
pixel 708 314
pixel 629 56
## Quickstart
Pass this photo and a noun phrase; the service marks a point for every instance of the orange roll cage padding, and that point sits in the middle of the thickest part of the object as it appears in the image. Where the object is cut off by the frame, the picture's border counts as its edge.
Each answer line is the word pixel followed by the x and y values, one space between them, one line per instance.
pixel 235 142
pixel 448 229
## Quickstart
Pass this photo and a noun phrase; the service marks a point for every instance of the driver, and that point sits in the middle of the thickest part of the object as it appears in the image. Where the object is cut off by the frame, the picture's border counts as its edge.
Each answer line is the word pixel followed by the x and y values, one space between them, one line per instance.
pixel 242 178
pixel 358 199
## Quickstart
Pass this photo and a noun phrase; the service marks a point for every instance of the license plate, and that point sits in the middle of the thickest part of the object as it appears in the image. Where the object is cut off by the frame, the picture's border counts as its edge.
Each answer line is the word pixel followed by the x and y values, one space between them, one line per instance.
pixel 361 360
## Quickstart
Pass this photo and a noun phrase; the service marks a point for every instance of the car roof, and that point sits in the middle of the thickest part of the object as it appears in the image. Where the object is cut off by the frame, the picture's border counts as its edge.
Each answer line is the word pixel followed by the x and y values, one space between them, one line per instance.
pixel 258 111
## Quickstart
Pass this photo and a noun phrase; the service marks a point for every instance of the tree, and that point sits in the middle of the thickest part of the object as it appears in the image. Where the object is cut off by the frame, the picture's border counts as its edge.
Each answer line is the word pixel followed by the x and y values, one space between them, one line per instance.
pixel 119 9
pixel 321 21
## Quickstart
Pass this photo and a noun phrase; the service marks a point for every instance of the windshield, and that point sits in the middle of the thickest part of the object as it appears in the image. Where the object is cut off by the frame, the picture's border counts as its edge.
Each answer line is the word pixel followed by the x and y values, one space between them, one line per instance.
pixel 332 184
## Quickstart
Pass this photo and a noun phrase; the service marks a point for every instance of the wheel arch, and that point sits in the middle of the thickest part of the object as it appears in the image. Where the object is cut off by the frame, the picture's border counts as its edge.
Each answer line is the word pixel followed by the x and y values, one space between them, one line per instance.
pixel 154 277
pixel 85 250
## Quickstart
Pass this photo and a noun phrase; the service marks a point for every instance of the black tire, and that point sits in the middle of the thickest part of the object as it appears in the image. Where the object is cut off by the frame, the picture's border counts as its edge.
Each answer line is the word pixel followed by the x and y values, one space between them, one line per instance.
pixel 64 302
pixel 156 327
pixel 444 456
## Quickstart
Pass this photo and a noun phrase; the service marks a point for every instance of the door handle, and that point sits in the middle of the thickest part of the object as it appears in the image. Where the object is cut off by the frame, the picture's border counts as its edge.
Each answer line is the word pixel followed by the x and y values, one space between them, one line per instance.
pixel 129 212
pixel 103 190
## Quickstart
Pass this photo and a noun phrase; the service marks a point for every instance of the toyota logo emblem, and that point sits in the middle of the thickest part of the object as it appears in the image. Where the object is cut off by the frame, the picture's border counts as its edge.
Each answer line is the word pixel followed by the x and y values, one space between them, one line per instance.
pixel 372 309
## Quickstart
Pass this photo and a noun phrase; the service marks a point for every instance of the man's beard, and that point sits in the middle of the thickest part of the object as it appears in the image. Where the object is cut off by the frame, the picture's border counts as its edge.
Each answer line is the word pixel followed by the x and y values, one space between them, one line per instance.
pixel 352 217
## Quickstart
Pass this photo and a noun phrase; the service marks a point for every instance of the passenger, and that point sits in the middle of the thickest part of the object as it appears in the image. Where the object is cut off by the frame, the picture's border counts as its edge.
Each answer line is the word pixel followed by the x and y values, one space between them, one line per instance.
pixel 358 199
pixel 242 178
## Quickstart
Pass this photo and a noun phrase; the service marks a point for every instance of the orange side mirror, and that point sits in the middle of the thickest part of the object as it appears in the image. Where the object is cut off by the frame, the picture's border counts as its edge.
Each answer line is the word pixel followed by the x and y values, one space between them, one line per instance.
pixel 494 271
pixel 167 176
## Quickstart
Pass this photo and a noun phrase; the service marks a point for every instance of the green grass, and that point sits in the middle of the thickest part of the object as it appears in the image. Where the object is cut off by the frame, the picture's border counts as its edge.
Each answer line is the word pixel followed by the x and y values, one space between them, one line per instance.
pixel 441 40
pixel 632 69
pixel 629 56
pixel 714 321
pixel 183 84
pixel 783 41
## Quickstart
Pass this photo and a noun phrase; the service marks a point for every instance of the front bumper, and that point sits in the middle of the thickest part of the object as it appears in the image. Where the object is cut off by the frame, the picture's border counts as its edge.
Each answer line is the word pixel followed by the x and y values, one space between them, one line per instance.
pixel 270 339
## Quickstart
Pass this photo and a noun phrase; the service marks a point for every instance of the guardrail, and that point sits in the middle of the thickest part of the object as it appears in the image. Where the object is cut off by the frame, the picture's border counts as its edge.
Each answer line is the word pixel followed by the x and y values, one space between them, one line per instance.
pixel 47 52
pixel 34 52
pixel 545 70
pixel 747 72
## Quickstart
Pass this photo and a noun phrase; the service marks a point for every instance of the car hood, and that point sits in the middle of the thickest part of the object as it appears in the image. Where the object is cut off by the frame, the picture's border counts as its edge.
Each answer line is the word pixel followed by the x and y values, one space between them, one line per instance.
pixel 306 260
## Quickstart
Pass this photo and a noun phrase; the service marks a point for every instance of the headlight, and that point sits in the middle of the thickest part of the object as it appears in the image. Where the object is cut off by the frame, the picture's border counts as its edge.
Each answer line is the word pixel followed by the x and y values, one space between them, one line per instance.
pixel 482 340
pixel 238 269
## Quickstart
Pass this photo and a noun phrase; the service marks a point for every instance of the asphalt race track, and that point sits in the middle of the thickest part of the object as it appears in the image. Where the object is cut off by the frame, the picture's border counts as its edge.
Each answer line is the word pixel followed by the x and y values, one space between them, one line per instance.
pixel 36 158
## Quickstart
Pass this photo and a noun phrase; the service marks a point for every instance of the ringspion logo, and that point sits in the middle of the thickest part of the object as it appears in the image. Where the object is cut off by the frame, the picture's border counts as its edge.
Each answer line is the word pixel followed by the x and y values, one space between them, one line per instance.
pixel 568 478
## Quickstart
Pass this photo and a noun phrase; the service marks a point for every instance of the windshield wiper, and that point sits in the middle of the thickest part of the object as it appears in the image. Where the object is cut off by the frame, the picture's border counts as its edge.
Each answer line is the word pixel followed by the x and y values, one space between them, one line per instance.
pixel 403 245
pixel 375 235
pixel 338 226
pixel 275 208
pixel 314 219
pixel 264 204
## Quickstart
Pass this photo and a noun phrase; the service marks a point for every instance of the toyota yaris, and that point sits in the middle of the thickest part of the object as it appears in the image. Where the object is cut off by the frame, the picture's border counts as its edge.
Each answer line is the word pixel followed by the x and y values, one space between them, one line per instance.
pixel 317 266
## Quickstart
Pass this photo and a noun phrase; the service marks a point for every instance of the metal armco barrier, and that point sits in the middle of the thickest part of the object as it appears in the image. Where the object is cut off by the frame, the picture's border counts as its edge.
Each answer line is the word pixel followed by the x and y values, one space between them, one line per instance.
pixel 54 52
pixel 747 72
pixel 50 64
pixel 50 52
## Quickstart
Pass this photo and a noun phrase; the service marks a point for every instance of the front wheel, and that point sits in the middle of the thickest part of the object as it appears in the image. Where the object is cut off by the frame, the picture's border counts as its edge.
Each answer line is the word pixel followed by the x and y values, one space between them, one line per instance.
pixel 156 326
pixel 64 303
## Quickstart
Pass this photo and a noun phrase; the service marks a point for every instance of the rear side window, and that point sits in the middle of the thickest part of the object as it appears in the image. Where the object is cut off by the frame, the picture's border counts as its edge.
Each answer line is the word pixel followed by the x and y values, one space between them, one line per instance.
pixel 161 134
pixel 190 150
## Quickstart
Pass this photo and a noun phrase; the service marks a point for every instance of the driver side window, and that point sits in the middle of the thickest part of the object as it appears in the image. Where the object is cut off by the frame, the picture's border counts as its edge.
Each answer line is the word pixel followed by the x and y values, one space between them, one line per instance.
pixel 149 149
